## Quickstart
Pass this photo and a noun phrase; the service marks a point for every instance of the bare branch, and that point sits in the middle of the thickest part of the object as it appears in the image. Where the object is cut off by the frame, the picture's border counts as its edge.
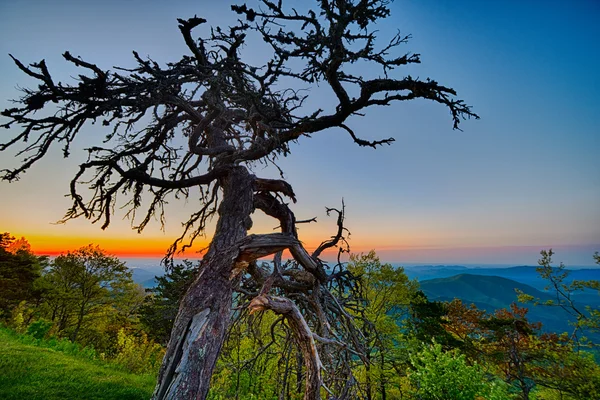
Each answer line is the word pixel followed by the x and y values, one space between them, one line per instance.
pixel 362 142
pixel 186 26
pixel 339 236
pixel 257 246
pixel 303 336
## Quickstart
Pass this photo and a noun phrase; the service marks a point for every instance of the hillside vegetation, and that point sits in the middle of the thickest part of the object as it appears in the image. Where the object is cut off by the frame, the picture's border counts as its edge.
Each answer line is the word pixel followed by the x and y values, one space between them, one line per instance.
pixel 31 372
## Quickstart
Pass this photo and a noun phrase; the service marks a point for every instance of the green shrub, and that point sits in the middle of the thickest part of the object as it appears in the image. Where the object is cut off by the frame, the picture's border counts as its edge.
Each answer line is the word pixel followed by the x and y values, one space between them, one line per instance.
pixel 39 329
pixel 439 375
pixel 138 353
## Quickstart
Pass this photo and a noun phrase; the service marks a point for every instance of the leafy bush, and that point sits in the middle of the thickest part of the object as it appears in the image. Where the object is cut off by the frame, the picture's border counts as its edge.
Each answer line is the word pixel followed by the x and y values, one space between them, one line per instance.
pixel 137 353
pixel 440 375
pixel 39 329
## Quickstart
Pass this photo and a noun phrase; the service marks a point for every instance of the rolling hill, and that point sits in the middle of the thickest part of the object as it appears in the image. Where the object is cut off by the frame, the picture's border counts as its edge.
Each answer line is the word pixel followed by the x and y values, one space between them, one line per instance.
pixel 523 274
pixel 493 292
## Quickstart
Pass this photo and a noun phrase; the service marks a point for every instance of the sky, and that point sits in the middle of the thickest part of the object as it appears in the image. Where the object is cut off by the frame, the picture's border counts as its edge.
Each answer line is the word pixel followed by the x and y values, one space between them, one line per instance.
pixel 523 178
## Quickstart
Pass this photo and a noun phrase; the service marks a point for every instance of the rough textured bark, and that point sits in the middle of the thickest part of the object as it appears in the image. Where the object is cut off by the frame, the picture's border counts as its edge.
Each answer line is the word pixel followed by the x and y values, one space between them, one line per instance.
pixel 204 313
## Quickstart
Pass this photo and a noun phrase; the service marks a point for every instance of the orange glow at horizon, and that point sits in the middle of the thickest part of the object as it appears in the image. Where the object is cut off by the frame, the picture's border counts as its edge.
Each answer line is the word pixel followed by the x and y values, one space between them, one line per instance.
pixel 142 246
pixel 130 246
pixel 118 246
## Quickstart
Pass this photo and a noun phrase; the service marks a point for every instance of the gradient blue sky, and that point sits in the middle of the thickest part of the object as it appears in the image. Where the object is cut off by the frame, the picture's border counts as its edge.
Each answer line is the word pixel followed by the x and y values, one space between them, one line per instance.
pixel 524 177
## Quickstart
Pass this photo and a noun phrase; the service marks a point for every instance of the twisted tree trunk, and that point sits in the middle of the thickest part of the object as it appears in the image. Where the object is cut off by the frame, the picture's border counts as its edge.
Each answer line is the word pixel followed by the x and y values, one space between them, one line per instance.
pixel 204 313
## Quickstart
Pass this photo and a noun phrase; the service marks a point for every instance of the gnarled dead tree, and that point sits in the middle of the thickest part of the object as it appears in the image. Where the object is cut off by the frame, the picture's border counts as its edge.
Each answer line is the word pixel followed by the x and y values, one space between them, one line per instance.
pixel 199 123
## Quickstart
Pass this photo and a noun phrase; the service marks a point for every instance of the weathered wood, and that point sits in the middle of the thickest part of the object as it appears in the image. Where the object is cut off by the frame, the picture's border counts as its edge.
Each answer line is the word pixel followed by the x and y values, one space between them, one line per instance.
pixel 302 335
pixel 257 246
pixel 276 185
pixel 204 313
pixel 274 208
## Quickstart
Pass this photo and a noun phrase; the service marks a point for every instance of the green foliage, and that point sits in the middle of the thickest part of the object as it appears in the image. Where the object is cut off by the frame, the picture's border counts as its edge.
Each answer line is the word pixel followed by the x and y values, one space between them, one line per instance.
pixel 18 314
pixel 39 329
pixel 428 322
pixel 385 296
pixel 137 353
pixel 62 345
pixel 19 269
pixel 259 361
pixel 439 375
pixel 88 294
pixel 567 374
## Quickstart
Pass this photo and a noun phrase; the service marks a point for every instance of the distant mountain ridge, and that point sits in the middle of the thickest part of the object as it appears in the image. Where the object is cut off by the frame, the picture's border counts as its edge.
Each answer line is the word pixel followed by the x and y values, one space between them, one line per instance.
pixel 140 275
pixel 523 274
pixel 488 288
pixel 145 270
pixel 493 292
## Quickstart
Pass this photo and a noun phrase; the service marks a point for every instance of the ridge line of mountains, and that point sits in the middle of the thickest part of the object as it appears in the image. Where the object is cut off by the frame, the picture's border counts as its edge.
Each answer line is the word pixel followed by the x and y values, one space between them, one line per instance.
pixel 488 288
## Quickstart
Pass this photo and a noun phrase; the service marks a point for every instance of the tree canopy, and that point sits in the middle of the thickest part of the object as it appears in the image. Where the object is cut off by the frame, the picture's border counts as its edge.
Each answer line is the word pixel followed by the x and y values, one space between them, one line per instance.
pixel 19 269
pixel 83 285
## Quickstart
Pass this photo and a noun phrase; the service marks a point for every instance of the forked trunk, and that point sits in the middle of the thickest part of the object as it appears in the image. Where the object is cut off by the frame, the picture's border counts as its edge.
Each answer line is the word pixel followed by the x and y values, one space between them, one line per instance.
pixel 204 313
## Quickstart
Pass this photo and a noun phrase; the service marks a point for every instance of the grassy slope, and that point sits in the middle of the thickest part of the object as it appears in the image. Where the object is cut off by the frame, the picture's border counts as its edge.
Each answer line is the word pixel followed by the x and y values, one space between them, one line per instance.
pixel 30 372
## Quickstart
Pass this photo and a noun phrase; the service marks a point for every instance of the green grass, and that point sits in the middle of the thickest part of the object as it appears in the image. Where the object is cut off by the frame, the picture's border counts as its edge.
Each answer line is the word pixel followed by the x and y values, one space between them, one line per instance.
pixel 32 372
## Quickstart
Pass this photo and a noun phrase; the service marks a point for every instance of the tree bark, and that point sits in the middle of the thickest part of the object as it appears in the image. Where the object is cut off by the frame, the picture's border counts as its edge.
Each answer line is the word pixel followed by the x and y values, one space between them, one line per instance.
pixel 80 317
pixel 204 314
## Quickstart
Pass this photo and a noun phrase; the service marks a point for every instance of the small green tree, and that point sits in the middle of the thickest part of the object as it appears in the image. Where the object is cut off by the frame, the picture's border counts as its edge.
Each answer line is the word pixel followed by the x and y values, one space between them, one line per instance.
pixel 83 286
pixel 428 320
pixel 385 296
pixel 586 319
pixel 19 269
pixel 567 374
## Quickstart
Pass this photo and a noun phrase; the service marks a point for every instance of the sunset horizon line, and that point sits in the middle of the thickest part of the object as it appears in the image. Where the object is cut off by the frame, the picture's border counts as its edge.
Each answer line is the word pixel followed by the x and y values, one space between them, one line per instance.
pixel 393 254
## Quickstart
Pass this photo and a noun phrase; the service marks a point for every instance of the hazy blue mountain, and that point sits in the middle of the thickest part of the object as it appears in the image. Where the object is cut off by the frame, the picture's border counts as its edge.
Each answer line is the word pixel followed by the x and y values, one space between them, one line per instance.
pixel 146 269
pixel 493 292
pixel 149 283
pixel 141 275
pixel 422 272
pixel 152 266
pixel 523 274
